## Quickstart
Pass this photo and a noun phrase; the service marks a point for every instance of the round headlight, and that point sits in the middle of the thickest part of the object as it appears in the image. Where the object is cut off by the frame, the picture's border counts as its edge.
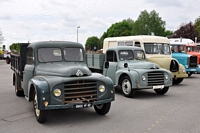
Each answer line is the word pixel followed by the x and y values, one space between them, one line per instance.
pixel 186 66
pixel 102 88
pixel 143 78
pixel 184 70
pixel 57 92
pixel 166 76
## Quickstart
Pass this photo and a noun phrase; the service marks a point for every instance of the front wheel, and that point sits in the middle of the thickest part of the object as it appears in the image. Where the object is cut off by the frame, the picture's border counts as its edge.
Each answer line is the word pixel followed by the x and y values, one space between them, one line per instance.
pixel 177 81
pixel 162 91
pixel 126 87
pixel 102 109
pixel 41 115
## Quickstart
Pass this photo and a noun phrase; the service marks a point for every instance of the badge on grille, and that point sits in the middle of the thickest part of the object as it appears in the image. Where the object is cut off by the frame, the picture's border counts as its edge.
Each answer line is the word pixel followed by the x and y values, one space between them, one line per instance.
pixel 79 73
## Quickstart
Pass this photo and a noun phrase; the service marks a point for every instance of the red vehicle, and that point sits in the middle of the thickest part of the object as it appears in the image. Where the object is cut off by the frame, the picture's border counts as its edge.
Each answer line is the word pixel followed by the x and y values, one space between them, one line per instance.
pixel 193 49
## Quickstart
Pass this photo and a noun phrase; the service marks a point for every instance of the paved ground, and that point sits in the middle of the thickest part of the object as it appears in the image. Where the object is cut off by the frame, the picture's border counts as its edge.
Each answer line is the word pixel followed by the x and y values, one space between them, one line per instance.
pixel 177 111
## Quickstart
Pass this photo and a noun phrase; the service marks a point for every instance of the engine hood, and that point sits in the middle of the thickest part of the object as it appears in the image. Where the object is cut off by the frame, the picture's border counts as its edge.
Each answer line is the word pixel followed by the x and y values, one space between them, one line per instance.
pixel 141 65
pixel 63 69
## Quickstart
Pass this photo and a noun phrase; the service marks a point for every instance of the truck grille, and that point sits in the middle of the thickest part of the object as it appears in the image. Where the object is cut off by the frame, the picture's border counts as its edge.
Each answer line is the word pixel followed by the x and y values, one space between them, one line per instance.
pixel 193 61
pixel 80 91
pixel 155 78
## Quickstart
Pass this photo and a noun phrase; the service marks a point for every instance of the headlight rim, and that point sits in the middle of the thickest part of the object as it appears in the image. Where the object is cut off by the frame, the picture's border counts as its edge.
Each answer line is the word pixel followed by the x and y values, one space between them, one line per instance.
pixel 102 88
pixel 55 93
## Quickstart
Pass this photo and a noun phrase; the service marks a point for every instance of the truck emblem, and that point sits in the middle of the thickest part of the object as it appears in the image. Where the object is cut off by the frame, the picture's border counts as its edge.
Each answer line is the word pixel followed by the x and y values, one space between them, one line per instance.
pixel 79 73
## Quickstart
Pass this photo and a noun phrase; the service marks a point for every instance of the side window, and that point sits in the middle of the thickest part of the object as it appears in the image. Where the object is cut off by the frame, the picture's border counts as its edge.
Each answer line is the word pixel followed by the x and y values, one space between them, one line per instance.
pixel 129 43
pixel 120 43
pixel 29 58
pixel 111 56
pixel 137 44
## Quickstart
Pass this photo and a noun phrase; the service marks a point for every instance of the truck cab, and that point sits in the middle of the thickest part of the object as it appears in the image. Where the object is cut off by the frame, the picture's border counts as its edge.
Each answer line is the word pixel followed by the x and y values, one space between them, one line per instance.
pixel 128 68
pixel 54 75
pixel 185 57
pixel 157 50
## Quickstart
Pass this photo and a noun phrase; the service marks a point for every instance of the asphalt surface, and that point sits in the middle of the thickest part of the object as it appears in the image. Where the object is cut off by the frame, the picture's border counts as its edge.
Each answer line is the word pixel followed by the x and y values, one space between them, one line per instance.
pixel 178 111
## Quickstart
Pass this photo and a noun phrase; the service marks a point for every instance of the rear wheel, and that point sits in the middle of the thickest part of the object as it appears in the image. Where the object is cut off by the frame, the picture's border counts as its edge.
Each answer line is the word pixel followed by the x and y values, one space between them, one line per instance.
pixel 102 109
pixel 17 91
pixel 177 81
pixel 162 91
pixel 41 115
pixel 126 87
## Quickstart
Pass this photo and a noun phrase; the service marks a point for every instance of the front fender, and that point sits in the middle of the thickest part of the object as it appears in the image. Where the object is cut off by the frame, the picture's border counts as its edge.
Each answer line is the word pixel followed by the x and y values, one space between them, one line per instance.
pixel 133 75
pixel 41 87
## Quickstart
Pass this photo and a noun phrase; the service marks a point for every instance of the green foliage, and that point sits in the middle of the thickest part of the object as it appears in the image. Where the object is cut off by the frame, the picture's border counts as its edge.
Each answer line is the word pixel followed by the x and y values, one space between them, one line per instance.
pixel 197 28
pixel 148 23
pixel 92 42
pixel 15 48
pixel 118 29
pixel 4 47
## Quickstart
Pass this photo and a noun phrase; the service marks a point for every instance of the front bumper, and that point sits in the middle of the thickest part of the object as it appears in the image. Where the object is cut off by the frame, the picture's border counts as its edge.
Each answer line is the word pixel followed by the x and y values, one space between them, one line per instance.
pixel 72 105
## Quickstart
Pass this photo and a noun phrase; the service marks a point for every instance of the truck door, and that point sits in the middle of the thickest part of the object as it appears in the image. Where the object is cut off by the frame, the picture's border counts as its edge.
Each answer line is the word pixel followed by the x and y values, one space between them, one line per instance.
pixel 111 70
pixel 28 70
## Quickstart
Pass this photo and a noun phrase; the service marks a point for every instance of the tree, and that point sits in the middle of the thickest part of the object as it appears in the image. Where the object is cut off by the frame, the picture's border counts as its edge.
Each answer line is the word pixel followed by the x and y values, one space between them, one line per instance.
pixel 118 29
pixel 4 47
pixel 92 43
pixel 197 28
pixel 148 23
pixel 1 37
pixel 186 31
pixel 15 48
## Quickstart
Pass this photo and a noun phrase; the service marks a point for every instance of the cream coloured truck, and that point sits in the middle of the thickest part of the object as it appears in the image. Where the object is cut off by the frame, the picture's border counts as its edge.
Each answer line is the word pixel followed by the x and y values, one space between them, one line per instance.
pixel 157 50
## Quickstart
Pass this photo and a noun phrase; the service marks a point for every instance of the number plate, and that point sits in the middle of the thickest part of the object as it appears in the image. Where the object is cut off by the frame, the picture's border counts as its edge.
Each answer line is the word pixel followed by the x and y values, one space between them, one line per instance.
pixel 158 87
pixel 84 105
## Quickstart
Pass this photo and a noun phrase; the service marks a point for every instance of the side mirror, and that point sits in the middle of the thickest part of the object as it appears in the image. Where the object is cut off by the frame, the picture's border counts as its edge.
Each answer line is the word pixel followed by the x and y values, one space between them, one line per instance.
pixel 125 65
pixel 106 64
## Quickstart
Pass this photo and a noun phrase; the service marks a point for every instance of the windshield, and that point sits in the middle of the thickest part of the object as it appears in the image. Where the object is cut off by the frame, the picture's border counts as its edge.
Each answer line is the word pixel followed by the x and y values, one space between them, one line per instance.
pixel 49 54
pixel 126 55
pixel 192 49
pixel 73 54
pixel 157 48
pixel 139 55
pixel 178 48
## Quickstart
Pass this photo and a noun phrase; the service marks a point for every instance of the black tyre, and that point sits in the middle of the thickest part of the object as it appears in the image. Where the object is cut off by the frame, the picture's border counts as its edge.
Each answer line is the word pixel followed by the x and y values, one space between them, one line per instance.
pixel 126 87
pixel 190 74
pixel 8 60
pixel 177 81
pixel 102 109
pixel 41 115
pixel 162 91
pixel 18 92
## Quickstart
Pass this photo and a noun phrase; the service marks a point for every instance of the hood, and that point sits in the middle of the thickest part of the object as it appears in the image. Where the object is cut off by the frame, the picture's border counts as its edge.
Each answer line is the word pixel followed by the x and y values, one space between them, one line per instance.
pixel 183 55
pixel 63 69
pixel 141 65
pixel 194 53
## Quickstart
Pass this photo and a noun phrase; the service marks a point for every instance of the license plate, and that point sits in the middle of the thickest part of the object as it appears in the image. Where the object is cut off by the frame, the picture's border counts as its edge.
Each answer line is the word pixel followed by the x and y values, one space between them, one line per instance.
pixel 158 87
pixel 193 69
pixel 84 105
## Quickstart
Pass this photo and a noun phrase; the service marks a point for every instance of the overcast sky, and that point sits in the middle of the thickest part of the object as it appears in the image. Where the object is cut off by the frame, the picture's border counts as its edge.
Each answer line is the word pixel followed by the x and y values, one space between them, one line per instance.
pixel 41 20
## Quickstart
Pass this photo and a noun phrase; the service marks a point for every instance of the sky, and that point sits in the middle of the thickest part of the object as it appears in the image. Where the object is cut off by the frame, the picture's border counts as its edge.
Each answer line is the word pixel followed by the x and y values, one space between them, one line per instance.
pixel 57 20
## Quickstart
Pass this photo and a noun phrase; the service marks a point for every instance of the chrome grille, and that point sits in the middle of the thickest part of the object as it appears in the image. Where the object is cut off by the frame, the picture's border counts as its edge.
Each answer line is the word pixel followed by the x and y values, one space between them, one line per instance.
pixel 155 78
pixel 80 91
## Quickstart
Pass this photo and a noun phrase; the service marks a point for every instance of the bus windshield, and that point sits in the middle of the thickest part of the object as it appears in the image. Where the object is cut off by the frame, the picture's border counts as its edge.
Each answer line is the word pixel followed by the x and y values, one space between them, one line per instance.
pixel 157 48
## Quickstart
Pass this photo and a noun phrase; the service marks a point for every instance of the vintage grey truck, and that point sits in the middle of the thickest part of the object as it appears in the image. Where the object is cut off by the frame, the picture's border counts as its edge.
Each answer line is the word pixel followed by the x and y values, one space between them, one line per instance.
pixel 54 75
pixel 128 69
